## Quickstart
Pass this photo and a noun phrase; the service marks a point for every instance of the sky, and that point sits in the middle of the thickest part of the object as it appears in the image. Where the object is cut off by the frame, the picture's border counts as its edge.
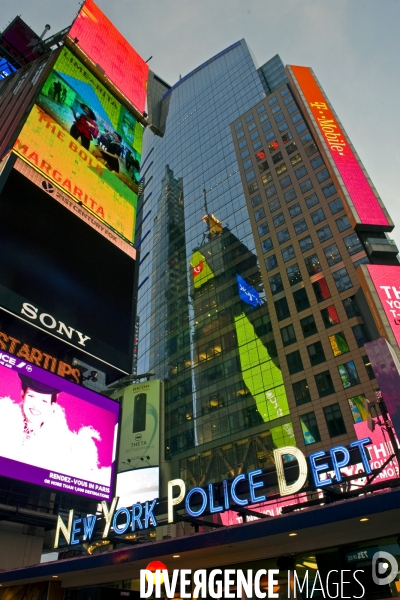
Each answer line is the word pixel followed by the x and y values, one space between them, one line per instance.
pixel 353 47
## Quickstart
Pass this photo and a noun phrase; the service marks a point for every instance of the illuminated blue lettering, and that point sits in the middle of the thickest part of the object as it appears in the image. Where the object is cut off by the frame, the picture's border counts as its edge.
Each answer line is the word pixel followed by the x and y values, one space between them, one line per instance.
pixel 254 486
pixel 75 531
pixel 213 508
pixel 233 491
pixel 360 445
pixel 196 513
pixel 226 497
pixel 136 515
pixel 120 511
pixel 88 525
pixel 317 468
pixel 148 514
pixel 337 465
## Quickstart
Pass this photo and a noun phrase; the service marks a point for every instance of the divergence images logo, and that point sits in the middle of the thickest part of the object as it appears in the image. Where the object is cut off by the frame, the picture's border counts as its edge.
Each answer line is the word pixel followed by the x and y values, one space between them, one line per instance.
pixel 381 561
pixel 48 187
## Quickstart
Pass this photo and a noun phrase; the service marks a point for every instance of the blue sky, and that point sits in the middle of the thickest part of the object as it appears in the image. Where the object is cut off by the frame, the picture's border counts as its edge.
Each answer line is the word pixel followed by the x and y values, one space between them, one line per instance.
pixel 352 45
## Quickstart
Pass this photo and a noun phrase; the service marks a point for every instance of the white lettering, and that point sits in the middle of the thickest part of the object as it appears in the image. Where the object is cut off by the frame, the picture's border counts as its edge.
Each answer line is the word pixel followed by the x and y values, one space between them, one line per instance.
pixel 29 311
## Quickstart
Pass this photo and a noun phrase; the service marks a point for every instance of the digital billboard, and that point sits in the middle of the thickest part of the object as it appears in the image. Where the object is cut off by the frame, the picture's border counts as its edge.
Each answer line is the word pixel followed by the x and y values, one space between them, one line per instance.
pixel 140 425
pixel 137 486
pixel 55 433
pixel 106 47
pixel 19 42
pixel 86 143
pixel 361 198
pixel 247 293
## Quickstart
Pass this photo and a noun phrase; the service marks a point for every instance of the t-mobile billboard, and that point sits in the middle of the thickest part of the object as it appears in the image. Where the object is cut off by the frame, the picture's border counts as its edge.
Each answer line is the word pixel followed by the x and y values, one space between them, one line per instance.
pixel 360 196
pixel 54 433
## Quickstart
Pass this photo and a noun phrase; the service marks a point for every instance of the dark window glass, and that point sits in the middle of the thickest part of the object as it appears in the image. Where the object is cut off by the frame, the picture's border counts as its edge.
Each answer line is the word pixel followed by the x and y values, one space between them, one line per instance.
pixel 271 263
pixel 238 125
pixel 306 185
pixel 274 205
pixel 263 229
pixel 329 190
pixel 324 233
pixel 259 214
pixel 348 374
pixel 282 309
pixel 278 220
pixel 276 284
pixel 294 362
pixel 301 300
pixel 257 145
pixel 308 326
pixel 250 175
pixel 253 187
pixel 301 172
pixel 296 118
pixel 318 216
pixel 256 200
pixel 264 117
pixel 263 166
pixel 288 335
pixel 247 164
pixel 361 261
pixel 291 109
pixel 272 100
pixel 283 236
pixel 266 178
pixel 311 149
pixel 283 126
pixel 334 420
pixel 301 127
pixel 292 147
pixel 313 265
pixel 260 109
pixel 270 191
pixel 290 195
pixel 301 392
pixel 306 244
pixel 240 135
pixel 330 316
pixel 295 210
pixel 300 226
pixel 360 334
pixel 267 126
pixel 321 290
pixel 254 136
pixel 279 118
pixel 351 308
pixel 245 153
pixel 251 126
pixel 242 144
pixel 287 137
pixel 307 137
pixel 353 243
pixel 295 160
pixel 342 279
pixel 316 162
pixel 270 136
pixel 339 344
pixel 280 169
pixel 332 254
pixel 294 275
pixel 285 182
pixel 288 253
pixel 309 428
pixel 312 200
pixel 316 353
pixel 277 157
pixel 288 100
pixel 249 118
pixel 322 175
pixel 276 109
pixel 368 366
pixel 324 384
pixel 335 206
pixel 267 245
pixel 271 347
pixel 284 92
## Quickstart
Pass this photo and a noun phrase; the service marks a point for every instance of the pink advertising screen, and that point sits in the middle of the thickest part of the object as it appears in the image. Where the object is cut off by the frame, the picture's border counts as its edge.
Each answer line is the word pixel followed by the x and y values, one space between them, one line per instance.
pixel 366 205
pixel 97 37
pixel 55 433
pixel 386 280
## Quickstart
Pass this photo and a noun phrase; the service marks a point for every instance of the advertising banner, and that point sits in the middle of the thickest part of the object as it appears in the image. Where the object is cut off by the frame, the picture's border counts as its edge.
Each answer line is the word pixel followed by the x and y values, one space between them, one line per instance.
pixel 82 139
pixel 386 284
pixel 140 426
pixel 361 198
pixel 137 486
pixel 54 433
pixel 97 37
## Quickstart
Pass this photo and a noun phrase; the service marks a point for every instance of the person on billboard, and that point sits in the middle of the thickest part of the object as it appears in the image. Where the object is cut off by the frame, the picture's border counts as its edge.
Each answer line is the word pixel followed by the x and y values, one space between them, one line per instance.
pixel 35 431
pixel 111 150
pixel 85 126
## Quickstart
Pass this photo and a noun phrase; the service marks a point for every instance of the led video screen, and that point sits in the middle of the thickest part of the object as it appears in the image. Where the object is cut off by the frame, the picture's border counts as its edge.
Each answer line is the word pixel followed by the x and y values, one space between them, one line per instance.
pixel 82 139
pixel 137 486
pixel 54 433
pixel 97 37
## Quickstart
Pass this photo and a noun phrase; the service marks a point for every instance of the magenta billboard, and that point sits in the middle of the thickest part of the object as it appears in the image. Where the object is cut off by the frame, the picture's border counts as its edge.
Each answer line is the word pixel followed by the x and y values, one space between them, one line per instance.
pixel 386 280
pixel 55 433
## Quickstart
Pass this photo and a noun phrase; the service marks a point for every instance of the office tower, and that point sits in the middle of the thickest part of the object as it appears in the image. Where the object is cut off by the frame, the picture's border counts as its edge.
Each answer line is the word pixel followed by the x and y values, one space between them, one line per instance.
pixel 261 344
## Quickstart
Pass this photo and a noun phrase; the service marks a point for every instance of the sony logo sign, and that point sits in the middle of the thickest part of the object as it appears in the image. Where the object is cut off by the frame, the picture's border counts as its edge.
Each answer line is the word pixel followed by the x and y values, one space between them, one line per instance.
pixel 50 322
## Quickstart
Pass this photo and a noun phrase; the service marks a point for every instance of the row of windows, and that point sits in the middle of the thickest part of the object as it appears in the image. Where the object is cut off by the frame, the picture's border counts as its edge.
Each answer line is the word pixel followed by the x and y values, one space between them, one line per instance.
pixel 337 341
pixel 334 422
